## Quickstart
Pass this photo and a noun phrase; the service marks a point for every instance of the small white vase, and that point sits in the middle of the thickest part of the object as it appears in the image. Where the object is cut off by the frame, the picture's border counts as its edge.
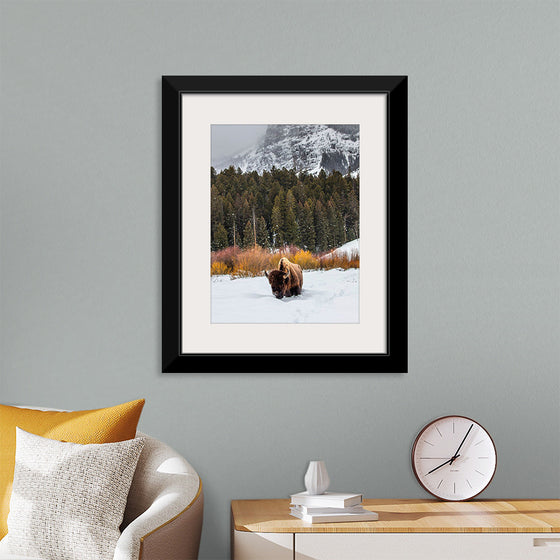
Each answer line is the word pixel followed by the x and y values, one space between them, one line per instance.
pixel 316 478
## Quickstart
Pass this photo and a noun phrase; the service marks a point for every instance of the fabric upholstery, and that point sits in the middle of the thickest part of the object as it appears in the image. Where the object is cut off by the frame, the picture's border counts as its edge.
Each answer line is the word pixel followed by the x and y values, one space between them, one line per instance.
pixel 68 499
pixel 164 508
pixel 17 557
pixel 177 540
pixel 103 425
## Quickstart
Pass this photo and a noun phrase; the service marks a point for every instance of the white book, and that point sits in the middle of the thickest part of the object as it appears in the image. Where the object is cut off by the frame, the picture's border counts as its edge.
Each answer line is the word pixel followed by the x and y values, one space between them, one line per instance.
pixel 328 499
pixel 365 515
pixel 313 510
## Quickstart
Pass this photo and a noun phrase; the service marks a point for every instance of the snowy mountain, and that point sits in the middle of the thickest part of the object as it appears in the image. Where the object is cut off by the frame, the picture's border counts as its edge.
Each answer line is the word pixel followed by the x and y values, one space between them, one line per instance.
pixel 303 147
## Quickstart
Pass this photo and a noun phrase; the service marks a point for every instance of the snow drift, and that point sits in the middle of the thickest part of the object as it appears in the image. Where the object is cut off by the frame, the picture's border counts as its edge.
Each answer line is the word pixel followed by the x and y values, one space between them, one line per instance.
pixel 329 296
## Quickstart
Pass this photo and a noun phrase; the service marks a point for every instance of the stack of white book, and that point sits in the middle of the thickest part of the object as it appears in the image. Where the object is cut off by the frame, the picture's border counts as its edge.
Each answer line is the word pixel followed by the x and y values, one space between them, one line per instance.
pixel 330 507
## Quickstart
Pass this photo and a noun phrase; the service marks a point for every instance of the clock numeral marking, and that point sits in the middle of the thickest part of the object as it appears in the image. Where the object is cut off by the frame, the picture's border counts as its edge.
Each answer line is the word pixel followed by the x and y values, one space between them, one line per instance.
pixel 438 432
pixel 454 492
pixel 440 483
pixel 428 442
pixel 468 482
pixel 483 457
pixel 482 474
pixel 479 442
pixel 453 426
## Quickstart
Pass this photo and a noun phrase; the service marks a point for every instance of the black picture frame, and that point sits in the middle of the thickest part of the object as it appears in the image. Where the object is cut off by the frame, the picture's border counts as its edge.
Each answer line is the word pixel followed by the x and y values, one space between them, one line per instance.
pixel 395 360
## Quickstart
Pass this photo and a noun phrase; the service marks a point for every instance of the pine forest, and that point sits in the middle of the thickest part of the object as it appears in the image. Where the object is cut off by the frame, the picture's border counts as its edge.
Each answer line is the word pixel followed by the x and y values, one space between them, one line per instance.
pixel 281 208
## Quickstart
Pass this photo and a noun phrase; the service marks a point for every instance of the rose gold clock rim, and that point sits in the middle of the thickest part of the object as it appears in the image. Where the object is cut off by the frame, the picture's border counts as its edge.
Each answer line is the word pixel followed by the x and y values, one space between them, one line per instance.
pixel 423 430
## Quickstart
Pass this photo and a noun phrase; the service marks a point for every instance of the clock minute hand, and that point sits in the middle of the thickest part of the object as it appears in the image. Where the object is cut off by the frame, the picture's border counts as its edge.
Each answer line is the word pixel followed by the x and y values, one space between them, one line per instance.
pixel 461 445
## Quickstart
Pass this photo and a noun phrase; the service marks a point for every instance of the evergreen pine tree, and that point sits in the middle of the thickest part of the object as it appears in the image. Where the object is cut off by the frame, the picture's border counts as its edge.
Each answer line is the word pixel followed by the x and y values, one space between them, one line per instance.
pixel 335 227
pixel 220 238
pixel 262 233
pixel 291 234
pixel 307 226
pixel 277 221
pixel 248 237
pixel 321 227
pixel 353 217
pixel 216 206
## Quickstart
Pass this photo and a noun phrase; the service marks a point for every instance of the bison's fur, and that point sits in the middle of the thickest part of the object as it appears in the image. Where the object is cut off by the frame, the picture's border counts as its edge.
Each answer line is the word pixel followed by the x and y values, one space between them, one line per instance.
pixel 286 280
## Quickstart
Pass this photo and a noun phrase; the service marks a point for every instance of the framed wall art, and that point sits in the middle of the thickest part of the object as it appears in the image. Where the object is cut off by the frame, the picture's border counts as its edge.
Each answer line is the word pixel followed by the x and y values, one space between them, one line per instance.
pixel 284 225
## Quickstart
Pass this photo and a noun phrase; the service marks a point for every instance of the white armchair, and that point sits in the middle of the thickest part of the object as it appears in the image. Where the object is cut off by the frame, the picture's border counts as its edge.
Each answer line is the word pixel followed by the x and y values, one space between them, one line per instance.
pixel 163 516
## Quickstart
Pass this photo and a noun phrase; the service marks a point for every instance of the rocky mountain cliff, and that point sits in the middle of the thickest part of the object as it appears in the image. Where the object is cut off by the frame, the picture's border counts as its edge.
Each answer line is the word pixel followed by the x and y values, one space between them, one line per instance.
pixel 303 147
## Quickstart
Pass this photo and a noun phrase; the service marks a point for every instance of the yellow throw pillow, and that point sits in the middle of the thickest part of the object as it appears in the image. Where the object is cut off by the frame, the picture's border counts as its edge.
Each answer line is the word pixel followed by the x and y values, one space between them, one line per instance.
pixel 103 425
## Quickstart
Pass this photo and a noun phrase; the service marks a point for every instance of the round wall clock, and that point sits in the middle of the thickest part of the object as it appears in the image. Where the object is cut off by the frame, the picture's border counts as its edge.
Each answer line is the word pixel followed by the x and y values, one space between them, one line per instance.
pixel 454 458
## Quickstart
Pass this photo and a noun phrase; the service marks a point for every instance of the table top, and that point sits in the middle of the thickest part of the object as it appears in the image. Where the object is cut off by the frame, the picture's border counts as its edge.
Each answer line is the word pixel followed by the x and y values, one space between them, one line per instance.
pixel 409 516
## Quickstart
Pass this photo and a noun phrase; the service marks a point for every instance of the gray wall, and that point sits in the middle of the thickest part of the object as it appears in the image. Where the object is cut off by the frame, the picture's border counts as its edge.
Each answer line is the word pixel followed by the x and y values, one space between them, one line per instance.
pixel 81 234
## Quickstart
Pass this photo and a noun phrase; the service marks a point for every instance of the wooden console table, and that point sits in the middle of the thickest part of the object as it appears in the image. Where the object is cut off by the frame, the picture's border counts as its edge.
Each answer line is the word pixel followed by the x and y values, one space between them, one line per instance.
pixel 406 529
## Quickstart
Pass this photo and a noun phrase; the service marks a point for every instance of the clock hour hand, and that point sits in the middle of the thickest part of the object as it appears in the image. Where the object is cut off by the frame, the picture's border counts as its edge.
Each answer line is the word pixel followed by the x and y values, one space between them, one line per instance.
pixel 443 464
pixel 461 445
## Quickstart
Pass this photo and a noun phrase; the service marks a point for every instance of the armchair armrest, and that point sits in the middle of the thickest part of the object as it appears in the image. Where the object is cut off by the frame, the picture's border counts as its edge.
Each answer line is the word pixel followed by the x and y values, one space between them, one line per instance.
pixel 178 538
pixel 163 517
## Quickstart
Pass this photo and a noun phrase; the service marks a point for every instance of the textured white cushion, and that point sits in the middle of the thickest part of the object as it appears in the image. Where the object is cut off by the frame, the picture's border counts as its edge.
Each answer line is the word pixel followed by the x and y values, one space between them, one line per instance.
pixel 68 499
pixel 5 555
pixel 17 557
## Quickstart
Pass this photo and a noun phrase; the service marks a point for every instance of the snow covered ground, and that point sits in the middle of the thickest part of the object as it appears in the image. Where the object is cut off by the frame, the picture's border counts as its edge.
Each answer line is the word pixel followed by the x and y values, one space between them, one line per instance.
pixel 349 249
pixel 328 296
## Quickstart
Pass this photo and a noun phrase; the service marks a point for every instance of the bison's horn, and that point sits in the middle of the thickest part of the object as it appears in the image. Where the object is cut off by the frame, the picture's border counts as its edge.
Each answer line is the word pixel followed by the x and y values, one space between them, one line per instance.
pixel 266 273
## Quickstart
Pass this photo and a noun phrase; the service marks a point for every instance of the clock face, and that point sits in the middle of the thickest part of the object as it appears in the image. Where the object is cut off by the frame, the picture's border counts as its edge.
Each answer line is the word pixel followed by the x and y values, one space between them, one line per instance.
pixel 454 458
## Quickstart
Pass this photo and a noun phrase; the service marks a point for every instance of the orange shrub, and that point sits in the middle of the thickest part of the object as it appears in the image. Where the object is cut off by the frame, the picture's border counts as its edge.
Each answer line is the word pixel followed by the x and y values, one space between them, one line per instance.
pixel 226 256
pixel 252 262
pixel 219 267
pixel 306 260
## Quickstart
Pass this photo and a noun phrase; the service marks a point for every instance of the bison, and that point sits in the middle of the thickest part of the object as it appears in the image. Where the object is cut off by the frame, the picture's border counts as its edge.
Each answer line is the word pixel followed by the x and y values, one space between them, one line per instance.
pixel 287 280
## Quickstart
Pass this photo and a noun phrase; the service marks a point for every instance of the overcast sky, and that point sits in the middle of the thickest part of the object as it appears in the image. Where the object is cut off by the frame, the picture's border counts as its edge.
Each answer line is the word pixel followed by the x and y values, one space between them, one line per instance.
pixel 229 139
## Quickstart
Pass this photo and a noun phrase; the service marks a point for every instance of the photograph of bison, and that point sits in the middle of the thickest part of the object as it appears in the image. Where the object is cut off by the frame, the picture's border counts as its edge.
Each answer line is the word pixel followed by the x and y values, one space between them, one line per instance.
pixel 284 205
